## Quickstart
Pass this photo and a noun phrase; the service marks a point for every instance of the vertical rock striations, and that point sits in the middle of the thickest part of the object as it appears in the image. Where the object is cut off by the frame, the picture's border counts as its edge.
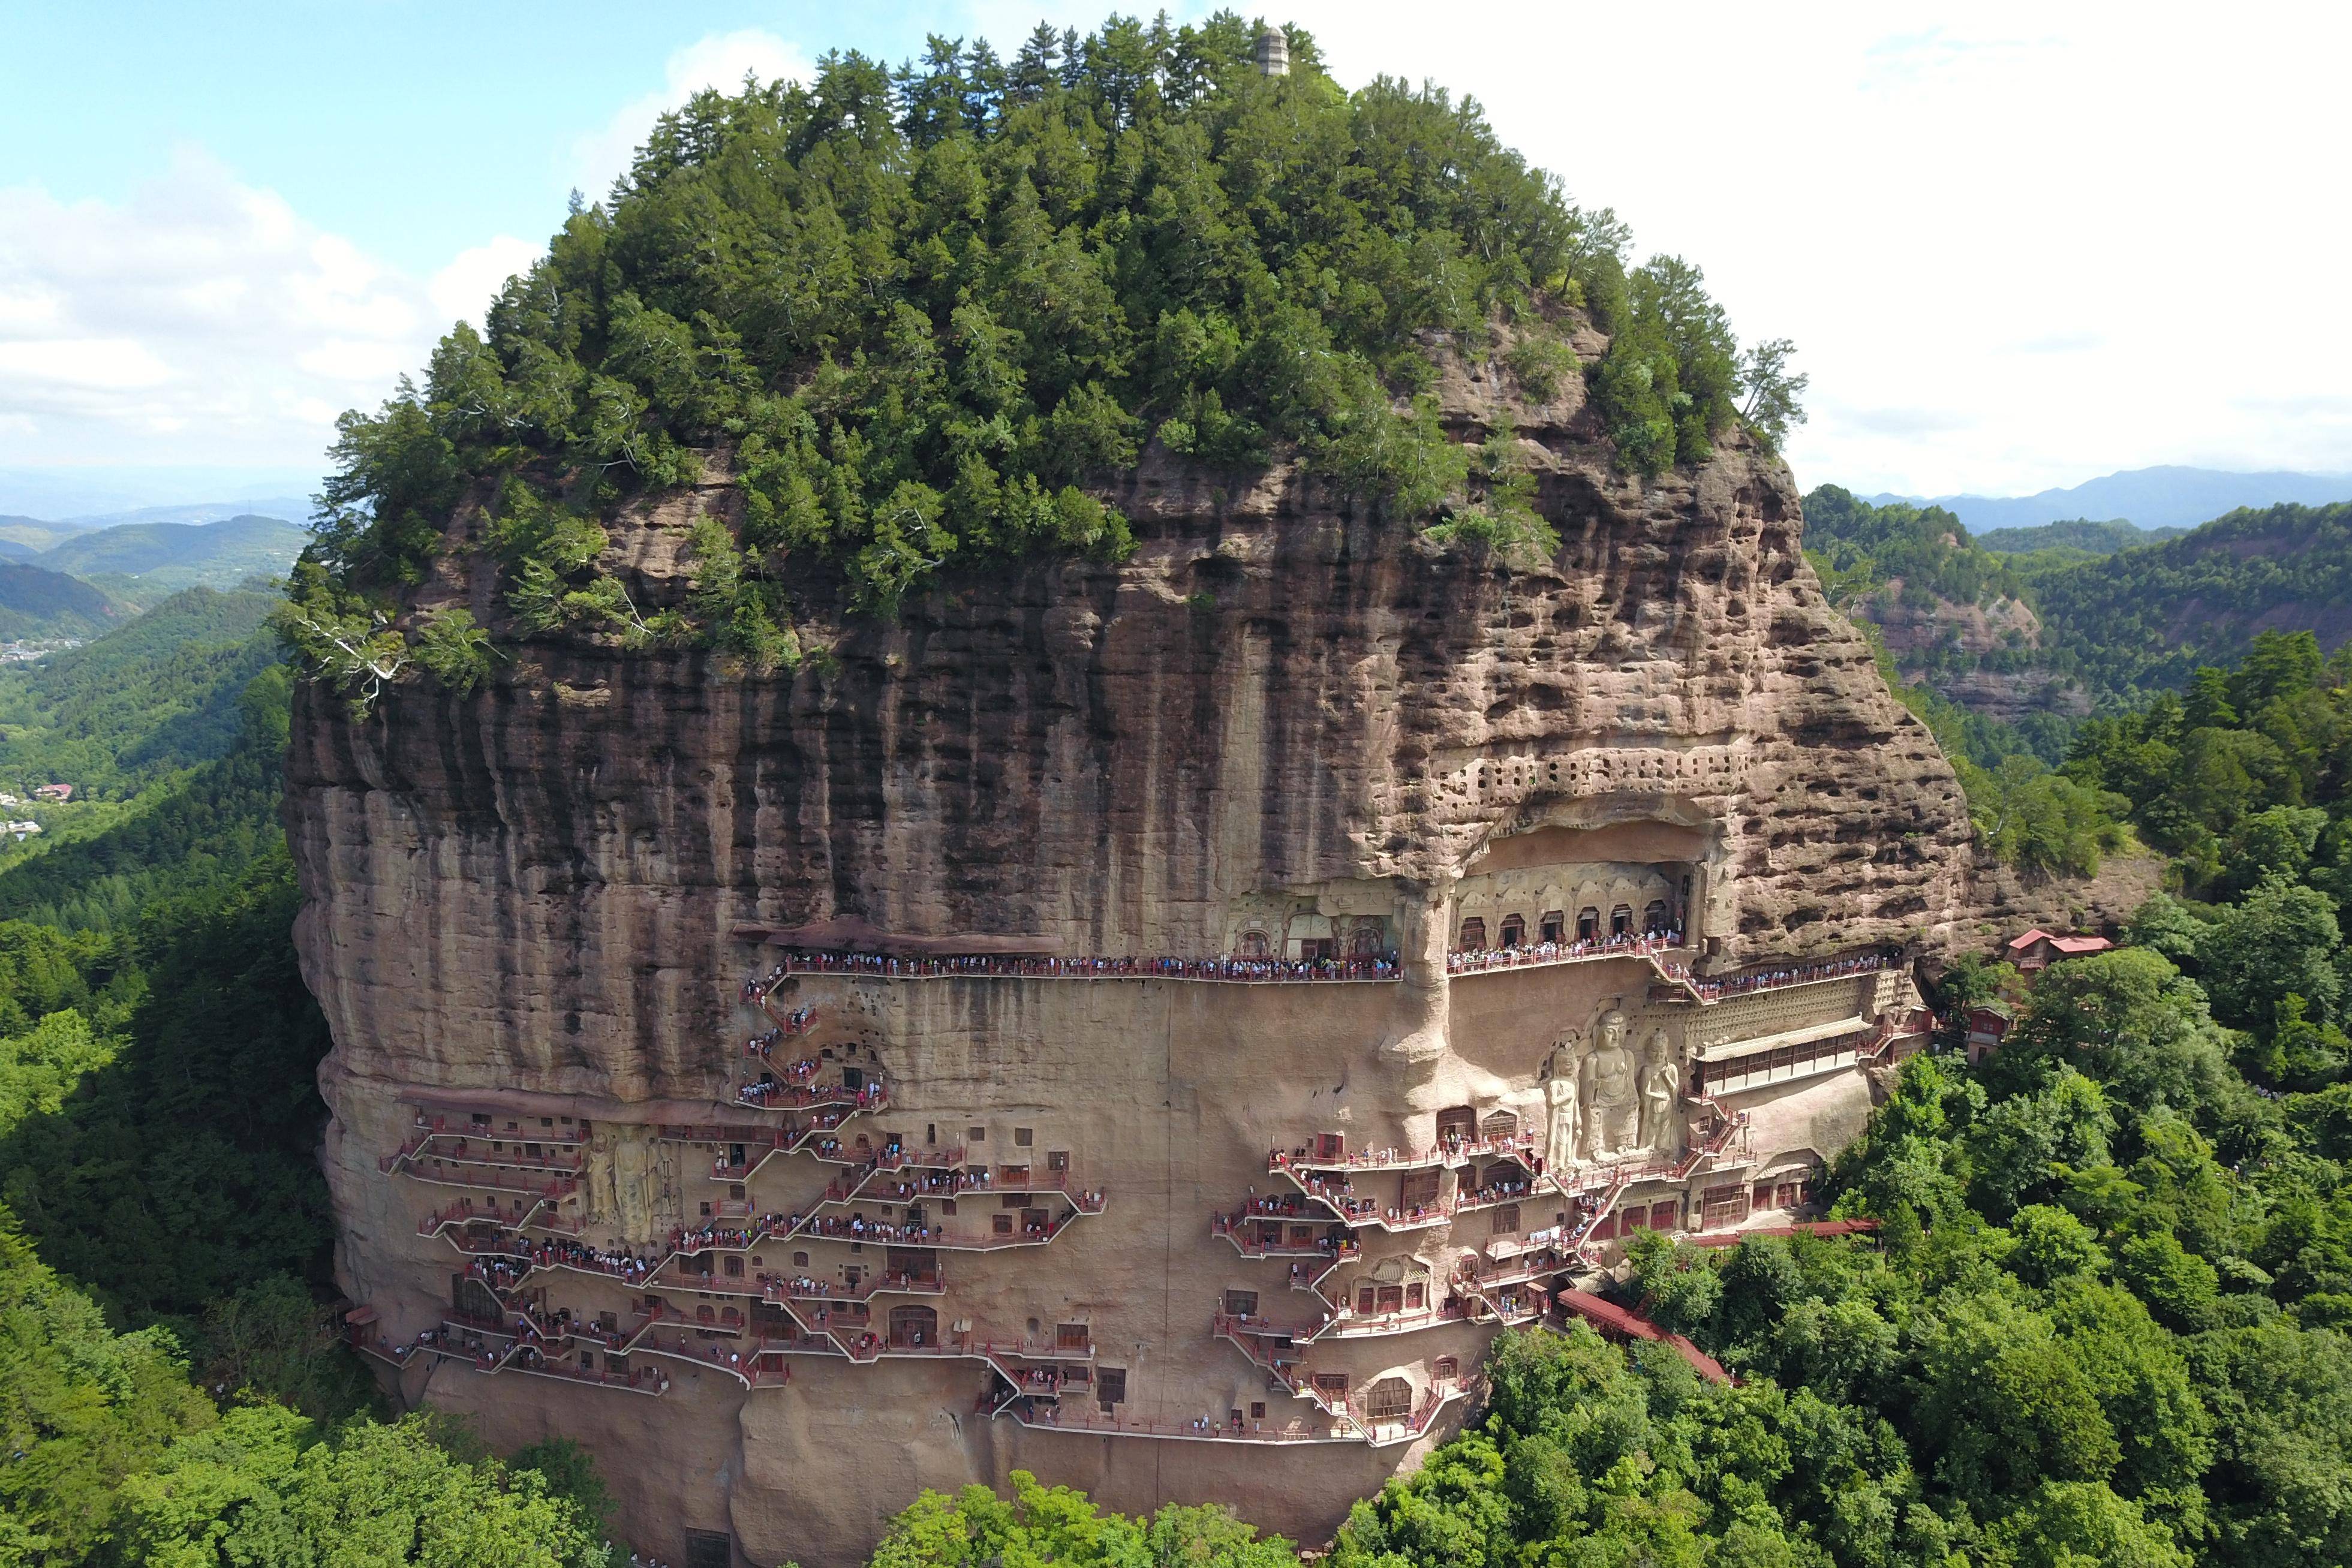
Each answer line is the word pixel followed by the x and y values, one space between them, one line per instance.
pixel 981 1219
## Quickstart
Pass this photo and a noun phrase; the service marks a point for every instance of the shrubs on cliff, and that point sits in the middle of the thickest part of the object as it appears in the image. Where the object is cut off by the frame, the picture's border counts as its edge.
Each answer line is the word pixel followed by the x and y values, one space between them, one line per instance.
pixel 931 311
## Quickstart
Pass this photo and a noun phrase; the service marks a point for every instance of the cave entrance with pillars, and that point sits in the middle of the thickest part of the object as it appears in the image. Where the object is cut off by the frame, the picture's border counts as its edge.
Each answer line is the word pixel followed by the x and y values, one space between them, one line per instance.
pixel 1563 885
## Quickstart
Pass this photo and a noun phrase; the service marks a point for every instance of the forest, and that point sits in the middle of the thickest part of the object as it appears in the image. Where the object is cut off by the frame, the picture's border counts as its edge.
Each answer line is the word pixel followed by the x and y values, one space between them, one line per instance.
pixel 2104 1317
pixel 2119 623
pixel 929 310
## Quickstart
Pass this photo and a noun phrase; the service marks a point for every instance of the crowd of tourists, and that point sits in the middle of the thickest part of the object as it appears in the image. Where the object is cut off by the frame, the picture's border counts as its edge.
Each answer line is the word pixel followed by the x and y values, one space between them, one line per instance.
pixel 767 1092
pixel 729 1238
pixel 620 1262
pixel 1771 979
pixel 1473 961
pixel 806 1286
pixel 799 1021
pixel 1230 968
pixel 1505 1191
pixel 1453 1149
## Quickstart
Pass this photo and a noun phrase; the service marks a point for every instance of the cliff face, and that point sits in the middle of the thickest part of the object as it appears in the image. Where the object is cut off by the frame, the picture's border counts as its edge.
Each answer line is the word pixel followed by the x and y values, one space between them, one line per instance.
pixel 1279 718
pixel 1269 695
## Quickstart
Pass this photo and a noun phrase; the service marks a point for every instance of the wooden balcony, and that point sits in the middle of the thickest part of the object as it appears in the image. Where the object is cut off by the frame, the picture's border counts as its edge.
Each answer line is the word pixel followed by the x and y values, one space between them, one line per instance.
pixel 1341 1199
pixel 1384 1161
pixel 1092 1421
pixel 769 1096
pixel 1348 1322
pixel 464 1212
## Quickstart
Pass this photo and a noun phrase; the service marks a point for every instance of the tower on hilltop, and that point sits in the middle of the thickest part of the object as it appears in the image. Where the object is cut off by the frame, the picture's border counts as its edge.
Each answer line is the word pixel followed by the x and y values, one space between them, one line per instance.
pixel 1272 52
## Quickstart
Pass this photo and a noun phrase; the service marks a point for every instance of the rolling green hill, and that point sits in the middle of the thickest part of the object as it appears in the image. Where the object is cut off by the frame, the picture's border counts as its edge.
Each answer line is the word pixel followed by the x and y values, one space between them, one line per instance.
pixel 39 603
pixel 2078 534
pixel 151 559
pixel 34 535
pixel 2060 632
pixel 2143 620
pixel 157 695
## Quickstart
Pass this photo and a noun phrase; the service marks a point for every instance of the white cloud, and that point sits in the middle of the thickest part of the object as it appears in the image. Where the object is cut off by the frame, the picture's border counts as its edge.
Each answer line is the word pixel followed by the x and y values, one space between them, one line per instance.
pixel 463 289
pixel 202 321
pixel 2018 245
pixel 720 61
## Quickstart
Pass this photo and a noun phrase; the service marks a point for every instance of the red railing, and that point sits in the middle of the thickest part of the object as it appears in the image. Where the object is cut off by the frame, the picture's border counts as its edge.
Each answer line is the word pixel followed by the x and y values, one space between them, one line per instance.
pixel 1453 1152
pixel 636 1380
pixel 496 1181
pixel 803 1097
pixel 462 1124
pixel 1347 1323
pixel 927 1283
pixel 1229 1226
pixel 1070 1415
pixel 463 1212
pixel 1224 971
pixel 1716 990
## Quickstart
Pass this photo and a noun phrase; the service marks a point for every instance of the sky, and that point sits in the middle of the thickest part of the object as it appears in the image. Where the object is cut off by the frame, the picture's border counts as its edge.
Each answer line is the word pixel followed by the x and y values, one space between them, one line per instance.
pixel 2018 247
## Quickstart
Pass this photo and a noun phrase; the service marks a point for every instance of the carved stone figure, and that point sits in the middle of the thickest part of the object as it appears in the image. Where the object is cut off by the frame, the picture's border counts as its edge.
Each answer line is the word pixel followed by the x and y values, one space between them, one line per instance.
pixel 598 1198
pixel 1613 1103
pixel 633 1159
pixel 1564 1115
pixel 669 1199
pixel 1662 1084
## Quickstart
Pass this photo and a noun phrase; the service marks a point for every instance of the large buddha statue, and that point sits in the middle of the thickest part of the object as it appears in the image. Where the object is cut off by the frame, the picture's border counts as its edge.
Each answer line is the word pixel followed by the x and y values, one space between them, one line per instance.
pixel 1613 1100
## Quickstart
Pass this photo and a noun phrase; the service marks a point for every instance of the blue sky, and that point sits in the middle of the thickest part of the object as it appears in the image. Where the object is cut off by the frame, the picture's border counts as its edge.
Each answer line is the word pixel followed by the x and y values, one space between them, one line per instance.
pixel 414 130
pixel 2018 245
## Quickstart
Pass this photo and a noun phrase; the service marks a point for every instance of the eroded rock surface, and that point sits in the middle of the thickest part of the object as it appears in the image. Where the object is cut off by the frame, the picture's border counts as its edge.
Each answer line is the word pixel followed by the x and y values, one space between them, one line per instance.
pixel 1282 724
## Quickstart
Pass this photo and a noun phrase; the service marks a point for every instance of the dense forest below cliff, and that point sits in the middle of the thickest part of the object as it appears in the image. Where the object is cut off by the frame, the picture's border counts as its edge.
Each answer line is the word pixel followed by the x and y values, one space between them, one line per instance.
pixel 927 312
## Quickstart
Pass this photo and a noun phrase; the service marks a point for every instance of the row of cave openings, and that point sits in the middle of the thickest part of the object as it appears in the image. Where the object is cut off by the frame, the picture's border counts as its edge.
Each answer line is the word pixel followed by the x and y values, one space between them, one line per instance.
pixel 1511 931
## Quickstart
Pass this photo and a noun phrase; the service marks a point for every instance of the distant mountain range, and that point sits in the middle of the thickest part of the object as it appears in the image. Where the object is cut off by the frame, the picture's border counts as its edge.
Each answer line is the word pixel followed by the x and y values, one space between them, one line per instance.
pixel 172 556
pixel 105 493
pixel 2153 498
pixel 76 577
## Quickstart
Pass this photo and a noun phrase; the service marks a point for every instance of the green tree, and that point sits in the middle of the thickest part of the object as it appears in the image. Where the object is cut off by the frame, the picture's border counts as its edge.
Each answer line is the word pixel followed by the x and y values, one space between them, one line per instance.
pixel 2284 940
pixel 263 1489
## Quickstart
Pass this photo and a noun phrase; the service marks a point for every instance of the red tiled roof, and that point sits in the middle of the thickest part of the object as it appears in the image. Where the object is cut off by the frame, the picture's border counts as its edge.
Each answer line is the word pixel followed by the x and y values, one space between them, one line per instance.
pixel 1609 1314
pixel 2019 943
pixel 1615 1318
pixel 2081 944
pixel 1802 1227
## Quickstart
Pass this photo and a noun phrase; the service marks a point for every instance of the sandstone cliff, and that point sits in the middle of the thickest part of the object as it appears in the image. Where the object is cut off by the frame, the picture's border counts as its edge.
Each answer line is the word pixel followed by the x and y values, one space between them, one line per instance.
pixel 533 895
pixel 1273 692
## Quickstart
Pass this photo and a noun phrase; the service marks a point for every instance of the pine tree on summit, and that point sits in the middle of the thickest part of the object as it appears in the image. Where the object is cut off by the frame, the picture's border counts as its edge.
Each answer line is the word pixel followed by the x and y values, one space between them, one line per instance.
pixel 932 313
